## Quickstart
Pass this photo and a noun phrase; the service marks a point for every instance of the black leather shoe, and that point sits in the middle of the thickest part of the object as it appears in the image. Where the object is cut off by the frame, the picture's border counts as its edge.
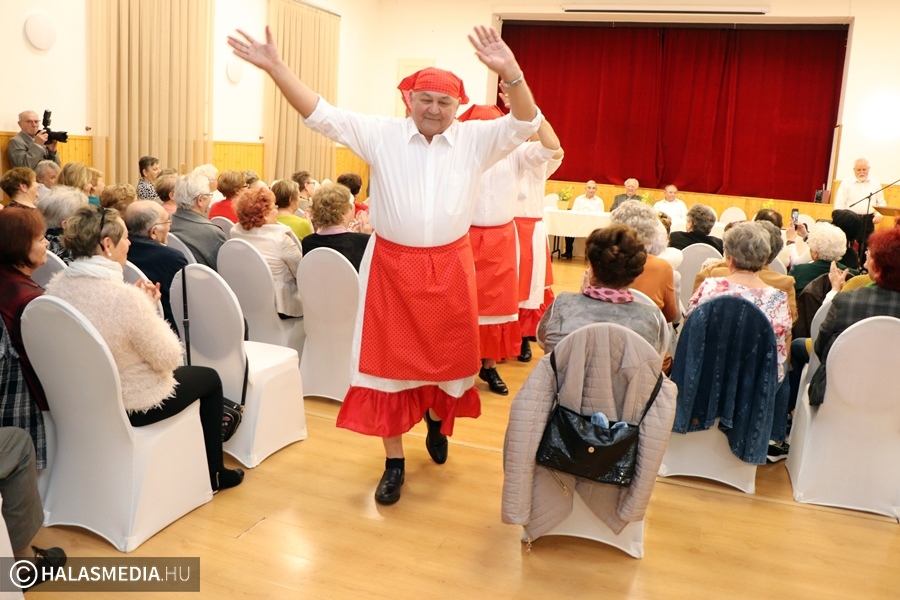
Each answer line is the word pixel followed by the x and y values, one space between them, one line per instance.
pixel 388 490
pixel 525 352
pixel 435 442
pixel 493 380
pixel 50 559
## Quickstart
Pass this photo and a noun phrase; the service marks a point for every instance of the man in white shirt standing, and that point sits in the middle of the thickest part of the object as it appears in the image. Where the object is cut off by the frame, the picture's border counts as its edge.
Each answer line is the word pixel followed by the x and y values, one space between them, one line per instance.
pixel 587 202
pixel 416 343
pixel 852 193
pixel 672 206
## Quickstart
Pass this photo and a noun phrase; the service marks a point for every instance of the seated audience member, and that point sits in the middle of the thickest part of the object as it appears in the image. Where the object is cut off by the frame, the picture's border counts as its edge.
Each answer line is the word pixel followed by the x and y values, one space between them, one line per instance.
pixel 76 175
pixel 332 212
pixel 46 172
pixel 287 199
pixel 671 205
pixel 617 256
pixel 847 308
pixel 353 182
pixel 211 173
pixel 146 351
pixel 658 278
pixel 149 169
pixel 30 146
pixel 700 221
pixel 22 250
pixel 148 230
pixel 773 217
pixel 852 225
pixel 257 224
pixel 230 184
pixel 97 185
pixel 631 193
pixel 22 510
pixel 165 191
pixel 589 202
pixel 785 283
pixel 20 185
pixel 747 250
pixel 118 197
pixel 61 204
pixel 202 237
pixel 666 220
pixel 251 177
pixel 307 186
pixel 826 243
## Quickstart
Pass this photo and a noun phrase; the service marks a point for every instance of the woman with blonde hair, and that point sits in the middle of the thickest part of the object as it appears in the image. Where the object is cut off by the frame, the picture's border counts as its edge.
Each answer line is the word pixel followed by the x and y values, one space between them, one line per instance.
pixel 165 190
pixel 332 212
pixel 257 224
pixel 76 175
pixel 146 350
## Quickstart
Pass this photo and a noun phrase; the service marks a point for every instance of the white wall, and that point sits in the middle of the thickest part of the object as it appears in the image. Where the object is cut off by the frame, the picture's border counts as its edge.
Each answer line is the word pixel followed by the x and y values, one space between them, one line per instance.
pixel 36 80
pixel 376 33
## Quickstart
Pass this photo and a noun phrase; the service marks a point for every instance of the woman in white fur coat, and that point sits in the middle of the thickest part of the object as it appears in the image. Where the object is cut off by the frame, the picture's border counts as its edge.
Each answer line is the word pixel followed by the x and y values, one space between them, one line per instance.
pixel 146 351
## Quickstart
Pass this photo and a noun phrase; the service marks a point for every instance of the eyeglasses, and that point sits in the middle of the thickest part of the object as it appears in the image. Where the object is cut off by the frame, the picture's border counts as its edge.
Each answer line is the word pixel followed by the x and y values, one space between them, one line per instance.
pixel 102 212
pixel 167 222
pixel 207 195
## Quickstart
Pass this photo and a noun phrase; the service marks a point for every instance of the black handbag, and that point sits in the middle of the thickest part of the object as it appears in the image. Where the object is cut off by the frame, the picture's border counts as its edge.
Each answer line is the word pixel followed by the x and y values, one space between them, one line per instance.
pixel 232 412
pixel 574 445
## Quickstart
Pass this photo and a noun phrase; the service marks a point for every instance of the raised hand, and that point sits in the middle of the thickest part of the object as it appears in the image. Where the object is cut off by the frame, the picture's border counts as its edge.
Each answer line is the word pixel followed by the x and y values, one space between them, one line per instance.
pixel 264 56
pixel 494 53
pixel 837 277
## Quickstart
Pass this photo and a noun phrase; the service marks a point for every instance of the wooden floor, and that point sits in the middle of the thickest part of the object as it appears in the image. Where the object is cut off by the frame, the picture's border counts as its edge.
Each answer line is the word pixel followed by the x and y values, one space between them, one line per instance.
pixel 304 525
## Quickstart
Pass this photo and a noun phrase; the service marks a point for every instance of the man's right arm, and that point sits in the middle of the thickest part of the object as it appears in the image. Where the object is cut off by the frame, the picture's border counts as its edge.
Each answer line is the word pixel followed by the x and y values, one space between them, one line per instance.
pixel 24 153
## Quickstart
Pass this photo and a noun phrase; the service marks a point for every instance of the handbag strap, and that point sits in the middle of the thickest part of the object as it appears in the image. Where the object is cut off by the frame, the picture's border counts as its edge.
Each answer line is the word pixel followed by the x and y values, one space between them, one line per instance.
pixel 185 321
pixel 650 402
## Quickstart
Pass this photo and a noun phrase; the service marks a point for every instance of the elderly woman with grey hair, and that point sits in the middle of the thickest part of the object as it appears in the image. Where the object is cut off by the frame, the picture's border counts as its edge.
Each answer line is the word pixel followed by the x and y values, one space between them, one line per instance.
pixel 59 205
pixel 190 223
pixel 658 279
pixel 700 221
pixel 826 243
pixel 747 251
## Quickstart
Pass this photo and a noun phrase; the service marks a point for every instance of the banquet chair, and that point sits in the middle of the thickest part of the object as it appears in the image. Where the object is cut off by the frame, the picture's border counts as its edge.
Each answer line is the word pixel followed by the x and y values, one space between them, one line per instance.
pixel 642 298
pixel 778 266
pixel 6 549
pixel 806 220
pixel 582 523
pixel 732 214
pixel 727 377
pixel 245 270
pixel 223 223
pixel 274 416
pixel 123 483
pixel 173 242
pixel 694 256
pixel 844 452
pixel 43 273
pixel 329 286
pixel 551 200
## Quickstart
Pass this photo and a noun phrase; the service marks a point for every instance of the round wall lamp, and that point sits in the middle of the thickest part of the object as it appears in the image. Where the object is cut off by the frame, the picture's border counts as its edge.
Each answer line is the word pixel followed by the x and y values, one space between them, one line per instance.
pixel 234 70
pixel 40 31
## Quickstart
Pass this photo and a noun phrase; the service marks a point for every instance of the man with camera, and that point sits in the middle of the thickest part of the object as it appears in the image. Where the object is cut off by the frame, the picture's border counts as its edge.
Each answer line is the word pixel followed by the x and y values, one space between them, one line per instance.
pixel 31 146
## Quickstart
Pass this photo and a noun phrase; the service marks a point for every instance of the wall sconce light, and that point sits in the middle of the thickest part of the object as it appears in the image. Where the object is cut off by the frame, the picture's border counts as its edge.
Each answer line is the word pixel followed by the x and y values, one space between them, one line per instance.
pixel 40 31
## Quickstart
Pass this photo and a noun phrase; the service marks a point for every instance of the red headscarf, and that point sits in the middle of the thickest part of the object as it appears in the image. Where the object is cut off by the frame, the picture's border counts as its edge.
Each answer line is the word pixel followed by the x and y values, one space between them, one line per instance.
pixel 432 79
pixel 481 112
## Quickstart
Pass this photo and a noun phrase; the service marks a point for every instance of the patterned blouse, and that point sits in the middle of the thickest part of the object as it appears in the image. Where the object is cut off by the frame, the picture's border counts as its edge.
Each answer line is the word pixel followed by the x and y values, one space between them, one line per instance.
pixel 146 191
pixel 772 302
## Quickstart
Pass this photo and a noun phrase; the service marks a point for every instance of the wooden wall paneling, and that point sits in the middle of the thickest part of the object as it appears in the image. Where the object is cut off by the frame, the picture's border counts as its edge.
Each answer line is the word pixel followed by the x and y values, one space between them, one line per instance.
pixel 239 156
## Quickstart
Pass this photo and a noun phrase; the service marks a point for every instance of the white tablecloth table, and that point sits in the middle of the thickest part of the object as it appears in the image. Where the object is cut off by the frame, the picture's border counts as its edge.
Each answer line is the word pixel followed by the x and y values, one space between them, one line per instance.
pixel 572 223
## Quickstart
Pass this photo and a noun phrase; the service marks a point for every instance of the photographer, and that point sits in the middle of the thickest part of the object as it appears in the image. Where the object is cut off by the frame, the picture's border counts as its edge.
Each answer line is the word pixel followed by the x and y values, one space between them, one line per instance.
pixel 30 146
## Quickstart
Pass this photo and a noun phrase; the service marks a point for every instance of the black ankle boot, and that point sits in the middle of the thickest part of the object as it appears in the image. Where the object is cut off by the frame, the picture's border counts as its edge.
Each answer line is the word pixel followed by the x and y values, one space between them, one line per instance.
pixel 525 352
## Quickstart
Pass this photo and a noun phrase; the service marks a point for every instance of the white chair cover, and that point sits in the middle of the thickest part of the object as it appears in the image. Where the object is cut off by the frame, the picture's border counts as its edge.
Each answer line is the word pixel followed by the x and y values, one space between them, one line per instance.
pixel 732 214
pixel 132 274
pixel 694 256
pixel 778 266
pixel 123 483
pixel 706 454
pixel 806 220
pixel 6 549
pixel 678 226
pixel 584 524
pixel 224 224
pixel 274 416
pixel 173 242
pixel 844 452
pixel 247 274
pixel 43 475
pixel 643 298
pixel 43 273
pixel 673 256
pixel 329 286
pixel 551 200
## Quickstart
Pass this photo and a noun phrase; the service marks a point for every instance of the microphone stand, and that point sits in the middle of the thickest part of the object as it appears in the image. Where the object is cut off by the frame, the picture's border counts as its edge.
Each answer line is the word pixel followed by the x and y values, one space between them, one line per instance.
pixel 867 219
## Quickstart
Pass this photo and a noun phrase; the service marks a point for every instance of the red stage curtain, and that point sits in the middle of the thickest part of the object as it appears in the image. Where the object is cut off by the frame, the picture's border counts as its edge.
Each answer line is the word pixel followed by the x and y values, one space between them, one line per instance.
pixel 727 111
